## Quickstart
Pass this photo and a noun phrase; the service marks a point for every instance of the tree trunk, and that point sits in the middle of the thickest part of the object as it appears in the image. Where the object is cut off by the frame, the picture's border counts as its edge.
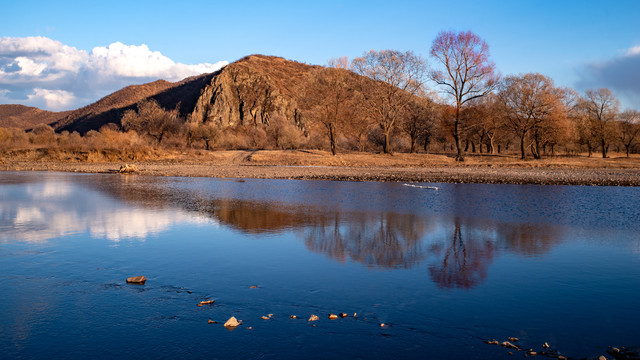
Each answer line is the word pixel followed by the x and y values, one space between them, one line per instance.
pixel 522 147
pixel 604 148
pixel 332 139
pixel 414 140
pixel 387 145
pixel 456 135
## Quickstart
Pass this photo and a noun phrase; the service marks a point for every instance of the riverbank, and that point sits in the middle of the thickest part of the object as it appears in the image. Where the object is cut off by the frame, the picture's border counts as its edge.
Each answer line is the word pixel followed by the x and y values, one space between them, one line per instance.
pixel 316 165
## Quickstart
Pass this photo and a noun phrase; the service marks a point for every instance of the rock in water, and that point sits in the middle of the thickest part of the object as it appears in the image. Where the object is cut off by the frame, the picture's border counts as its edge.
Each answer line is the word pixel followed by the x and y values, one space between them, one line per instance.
pixel 211 322
pixel 206 302
pixel 232 323
pixel 140 280
pixel 343 315
pixel 333 316
pixel 513 339
pixel 508 345
pixel 313 318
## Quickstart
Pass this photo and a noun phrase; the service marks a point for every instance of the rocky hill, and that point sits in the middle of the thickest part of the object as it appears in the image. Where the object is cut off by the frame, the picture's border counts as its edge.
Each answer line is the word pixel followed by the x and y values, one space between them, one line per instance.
pixel 26 117
pixel 249 91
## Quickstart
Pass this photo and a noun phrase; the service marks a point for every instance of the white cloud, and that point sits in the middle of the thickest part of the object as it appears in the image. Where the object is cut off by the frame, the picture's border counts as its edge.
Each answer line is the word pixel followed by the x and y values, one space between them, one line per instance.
pixel 51 99
pixel 39 71
pixel 634 51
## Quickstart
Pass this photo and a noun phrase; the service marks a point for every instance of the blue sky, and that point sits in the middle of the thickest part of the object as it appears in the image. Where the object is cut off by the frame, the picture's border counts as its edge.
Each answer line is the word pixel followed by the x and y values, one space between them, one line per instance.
pixel 581 44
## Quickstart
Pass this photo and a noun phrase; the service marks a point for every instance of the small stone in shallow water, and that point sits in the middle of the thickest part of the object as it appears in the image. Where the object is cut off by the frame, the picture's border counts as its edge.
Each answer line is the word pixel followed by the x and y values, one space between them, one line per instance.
pixel 384 326
pixel 508 345
pixel 212 322
pixel 512 339
pixel 232 323
pixel 293 317
pixel 265 317
pixel 206 302
pixel 545 345
pixel 333 316
pixel 313 318
pixel 136 280
pixel 343 315
pixel 492 342
pixel 253 287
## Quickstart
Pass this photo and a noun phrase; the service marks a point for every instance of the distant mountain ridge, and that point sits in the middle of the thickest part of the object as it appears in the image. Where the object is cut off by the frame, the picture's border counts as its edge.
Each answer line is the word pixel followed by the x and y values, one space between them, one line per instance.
pixel 26 117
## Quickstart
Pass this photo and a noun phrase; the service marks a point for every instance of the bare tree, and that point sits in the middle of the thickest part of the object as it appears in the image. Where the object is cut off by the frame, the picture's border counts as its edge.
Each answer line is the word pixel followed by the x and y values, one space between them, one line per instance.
pixel 398 77
pixel 152 120
pixel 339 63
pixel 328 101
pixel 629 129
pixel 419 120
pixel 530 102
pixel 601 108
pixel 207 132
pixel 466 72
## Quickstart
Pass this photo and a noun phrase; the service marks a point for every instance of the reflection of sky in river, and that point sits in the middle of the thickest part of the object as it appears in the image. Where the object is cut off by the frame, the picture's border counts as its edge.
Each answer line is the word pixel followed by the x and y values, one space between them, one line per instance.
pixel 44 210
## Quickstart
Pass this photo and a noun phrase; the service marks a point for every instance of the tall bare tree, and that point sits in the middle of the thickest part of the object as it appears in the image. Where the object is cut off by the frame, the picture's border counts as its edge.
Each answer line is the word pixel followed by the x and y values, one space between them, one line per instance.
pixel 399 76
pixel 601 108
pixel 465 73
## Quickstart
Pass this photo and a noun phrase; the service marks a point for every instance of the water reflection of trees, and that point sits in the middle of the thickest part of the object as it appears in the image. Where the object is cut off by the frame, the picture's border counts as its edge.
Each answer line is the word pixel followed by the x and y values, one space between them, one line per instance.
pixel 374 239
pixel 459 249
pixel 462 259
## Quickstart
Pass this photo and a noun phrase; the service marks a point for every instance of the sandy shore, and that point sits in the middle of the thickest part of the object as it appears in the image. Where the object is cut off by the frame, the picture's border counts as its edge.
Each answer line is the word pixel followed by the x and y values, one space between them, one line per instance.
pixel 502 174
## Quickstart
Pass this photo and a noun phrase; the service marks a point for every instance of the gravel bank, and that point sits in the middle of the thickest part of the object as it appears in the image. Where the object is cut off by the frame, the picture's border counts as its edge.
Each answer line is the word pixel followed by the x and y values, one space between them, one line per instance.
pixel 450 174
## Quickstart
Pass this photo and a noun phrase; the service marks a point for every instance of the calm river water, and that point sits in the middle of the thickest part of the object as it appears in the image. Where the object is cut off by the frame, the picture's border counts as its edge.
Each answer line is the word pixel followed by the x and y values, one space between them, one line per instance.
pixel 442 269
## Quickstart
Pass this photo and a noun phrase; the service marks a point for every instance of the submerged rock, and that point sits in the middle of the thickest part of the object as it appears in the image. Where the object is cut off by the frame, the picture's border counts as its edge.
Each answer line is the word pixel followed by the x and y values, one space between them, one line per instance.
pixel 211 322
pixel 265 317
pixel 206 302
pixel 313 318
pixel 492 342
pixel 545 345
pixel 293 317
pixel 140 280
pixel 512 339
pixel 344 315
pixel 333 316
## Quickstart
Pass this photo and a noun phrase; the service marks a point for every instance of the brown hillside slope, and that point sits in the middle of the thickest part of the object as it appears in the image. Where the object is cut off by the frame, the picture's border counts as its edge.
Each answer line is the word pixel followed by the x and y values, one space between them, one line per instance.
pixel 93 116
pixel 26 117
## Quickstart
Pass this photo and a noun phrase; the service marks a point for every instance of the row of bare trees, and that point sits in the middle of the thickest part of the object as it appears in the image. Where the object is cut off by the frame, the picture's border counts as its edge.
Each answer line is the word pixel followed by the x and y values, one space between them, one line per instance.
pixel 478 107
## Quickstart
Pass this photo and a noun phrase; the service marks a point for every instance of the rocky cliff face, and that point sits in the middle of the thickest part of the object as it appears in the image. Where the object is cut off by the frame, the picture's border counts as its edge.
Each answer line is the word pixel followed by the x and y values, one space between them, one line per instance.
pixel 252 91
